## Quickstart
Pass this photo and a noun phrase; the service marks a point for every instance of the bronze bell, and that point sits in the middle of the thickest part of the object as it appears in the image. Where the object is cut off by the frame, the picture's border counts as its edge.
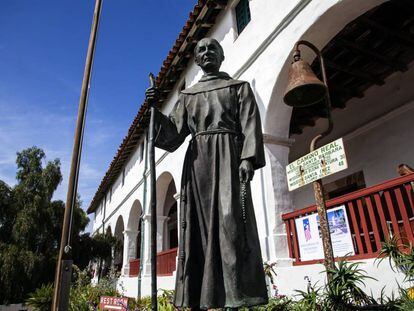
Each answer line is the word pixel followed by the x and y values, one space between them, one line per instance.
pixel 304 87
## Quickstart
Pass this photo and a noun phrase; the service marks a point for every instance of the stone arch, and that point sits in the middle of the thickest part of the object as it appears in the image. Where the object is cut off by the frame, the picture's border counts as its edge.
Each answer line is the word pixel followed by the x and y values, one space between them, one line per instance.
pixel 371 115
pixel 163 184
pixel 133 232
pixel 167 212
pixel 278 115
pixel 134 215
pixel 327 25
pixel 119 235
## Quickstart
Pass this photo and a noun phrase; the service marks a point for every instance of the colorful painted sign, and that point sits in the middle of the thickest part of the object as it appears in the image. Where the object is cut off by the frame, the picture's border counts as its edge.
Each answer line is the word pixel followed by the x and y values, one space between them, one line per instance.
pixel 320 163
pixel 309 236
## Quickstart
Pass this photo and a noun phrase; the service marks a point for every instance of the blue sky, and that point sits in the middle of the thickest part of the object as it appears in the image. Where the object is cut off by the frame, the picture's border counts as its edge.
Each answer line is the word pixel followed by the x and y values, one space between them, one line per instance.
pixel 42 55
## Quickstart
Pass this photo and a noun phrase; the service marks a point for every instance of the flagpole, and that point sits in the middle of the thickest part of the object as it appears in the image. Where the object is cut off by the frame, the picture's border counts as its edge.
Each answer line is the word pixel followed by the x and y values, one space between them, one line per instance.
pixel 64 263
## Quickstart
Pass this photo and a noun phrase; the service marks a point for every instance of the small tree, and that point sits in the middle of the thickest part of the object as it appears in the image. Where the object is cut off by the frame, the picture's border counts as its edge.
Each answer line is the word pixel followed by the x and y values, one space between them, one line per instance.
pixel 30 225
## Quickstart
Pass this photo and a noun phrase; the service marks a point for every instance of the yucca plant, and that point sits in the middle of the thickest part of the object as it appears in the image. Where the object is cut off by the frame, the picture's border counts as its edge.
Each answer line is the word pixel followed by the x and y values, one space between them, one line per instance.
pixel 344 288
pixel 311 299
pixel 390 301
pixel 399 255
pixel 391 250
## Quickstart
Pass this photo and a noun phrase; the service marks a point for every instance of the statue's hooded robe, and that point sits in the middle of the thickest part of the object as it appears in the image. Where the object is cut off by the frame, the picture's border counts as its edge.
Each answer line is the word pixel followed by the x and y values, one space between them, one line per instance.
pixel 219 263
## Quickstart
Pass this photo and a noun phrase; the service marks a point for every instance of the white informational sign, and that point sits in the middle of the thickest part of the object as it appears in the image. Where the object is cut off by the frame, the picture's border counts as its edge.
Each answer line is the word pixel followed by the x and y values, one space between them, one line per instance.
pixel 309 236
pixel 320 163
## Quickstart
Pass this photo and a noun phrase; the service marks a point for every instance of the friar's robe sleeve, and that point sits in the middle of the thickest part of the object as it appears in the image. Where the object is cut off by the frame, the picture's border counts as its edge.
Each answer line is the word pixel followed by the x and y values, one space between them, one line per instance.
pixel 251 127
pixel 171 131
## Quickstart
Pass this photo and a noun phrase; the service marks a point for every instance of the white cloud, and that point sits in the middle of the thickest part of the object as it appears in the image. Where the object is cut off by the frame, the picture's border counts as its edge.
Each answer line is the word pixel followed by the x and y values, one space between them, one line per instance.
pixel 54 133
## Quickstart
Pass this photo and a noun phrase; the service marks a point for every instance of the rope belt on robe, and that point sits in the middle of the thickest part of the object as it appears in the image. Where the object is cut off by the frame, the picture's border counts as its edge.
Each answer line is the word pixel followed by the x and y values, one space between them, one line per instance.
pixel 215 131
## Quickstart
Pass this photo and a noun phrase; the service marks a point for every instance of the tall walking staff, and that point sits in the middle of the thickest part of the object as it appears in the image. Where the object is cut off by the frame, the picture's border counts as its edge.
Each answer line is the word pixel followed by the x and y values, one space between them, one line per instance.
pixel 64 263
pixel 151 149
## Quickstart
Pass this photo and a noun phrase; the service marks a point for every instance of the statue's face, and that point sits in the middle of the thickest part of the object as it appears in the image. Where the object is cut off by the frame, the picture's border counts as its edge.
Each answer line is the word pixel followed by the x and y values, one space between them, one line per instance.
pixel 209 55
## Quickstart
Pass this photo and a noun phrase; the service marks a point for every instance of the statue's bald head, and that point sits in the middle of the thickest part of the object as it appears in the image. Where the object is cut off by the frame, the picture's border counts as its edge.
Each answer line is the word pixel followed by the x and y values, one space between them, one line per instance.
pixel 209 55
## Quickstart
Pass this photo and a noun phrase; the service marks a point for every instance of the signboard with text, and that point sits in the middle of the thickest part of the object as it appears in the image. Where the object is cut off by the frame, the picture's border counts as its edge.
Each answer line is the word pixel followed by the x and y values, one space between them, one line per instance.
pixel 113 303
pixel 322 162
pixel 309 236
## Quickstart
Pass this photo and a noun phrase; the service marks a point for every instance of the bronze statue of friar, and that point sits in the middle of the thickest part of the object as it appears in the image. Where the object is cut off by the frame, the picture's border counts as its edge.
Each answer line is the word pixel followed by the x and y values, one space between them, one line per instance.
pixel 219 263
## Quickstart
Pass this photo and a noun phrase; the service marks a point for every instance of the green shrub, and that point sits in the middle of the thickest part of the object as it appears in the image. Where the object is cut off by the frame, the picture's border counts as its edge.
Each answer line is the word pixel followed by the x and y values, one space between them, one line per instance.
pixel 83 294
pixel 41 298
pixel 342 293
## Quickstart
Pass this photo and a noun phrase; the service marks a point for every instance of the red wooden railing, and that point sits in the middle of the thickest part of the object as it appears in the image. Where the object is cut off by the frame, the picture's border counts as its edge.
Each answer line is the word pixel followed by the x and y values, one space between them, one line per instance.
pixel 374 214
pixel 134 267
pixel 166 263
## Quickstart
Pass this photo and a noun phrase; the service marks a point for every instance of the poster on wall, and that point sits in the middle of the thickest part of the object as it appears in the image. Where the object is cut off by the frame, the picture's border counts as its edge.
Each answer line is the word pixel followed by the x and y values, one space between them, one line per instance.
pixel 309 236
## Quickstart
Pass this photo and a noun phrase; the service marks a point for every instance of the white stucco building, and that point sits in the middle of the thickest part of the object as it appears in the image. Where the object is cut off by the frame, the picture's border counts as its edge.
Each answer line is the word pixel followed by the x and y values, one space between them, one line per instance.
pixel 369 48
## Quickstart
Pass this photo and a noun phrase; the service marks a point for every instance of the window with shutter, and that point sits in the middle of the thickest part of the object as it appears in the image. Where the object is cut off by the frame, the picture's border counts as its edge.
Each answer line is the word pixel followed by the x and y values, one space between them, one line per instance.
pixel 242 15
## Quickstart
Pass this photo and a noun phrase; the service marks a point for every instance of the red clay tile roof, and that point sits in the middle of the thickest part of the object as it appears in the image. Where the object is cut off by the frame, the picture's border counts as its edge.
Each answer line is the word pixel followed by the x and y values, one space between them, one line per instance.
pixel 197 26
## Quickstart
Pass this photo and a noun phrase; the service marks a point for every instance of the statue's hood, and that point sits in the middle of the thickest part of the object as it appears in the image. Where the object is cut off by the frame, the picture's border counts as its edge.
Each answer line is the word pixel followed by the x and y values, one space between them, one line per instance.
pixel 209 83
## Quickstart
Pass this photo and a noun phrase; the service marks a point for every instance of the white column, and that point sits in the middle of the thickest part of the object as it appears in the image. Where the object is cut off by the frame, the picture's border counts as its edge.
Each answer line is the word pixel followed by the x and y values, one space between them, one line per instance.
pixel 161 224
pixel 279 157
pixel 177 197
pixel 130 249
pixel 161 220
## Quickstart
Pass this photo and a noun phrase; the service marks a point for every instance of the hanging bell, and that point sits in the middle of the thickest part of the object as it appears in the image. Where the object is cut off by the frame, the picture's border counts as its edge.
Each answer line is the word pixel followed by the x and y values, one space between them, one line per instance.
pixel 304 88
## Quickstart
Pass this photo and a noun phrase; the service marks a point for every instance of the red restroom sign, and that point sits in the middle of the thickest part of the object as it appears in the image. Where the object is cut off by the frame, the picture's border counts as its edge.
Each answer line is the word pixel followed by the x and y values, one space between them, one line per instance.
pixel 113 303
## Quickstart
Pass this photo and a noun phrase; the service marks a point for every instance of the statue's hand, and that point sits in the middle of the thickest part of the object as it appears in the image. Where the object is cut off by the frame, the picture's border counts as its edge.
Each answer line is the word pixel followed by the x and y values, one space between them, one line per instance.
pixel 152 96
pixel 246 171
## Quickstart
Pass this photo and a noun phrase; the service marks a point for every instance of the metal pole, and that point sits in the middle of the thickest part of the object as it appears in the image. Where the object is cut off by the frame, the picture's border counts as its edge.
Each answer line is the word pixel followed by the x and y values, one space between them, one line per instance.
pixel 151 150
pixel 144 204
pixel 329 261
pixel 60 294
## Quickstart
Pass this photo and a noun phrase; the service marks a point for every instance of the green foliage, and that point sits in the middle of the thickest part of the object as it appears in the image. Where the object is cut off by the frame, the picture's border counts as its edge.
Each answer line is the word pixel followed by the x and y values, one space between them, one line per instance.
pixel 345 286
pixel 20 270
pixel 165 301
pixel 406 300
pixel 143 304
pixel 311 299
pixel 41 298
pixel 400 257
pixel 275 304
pixel 83 295
pixel 30 226
pixel 102 244
pixel 7 212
